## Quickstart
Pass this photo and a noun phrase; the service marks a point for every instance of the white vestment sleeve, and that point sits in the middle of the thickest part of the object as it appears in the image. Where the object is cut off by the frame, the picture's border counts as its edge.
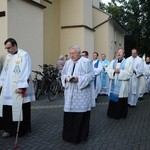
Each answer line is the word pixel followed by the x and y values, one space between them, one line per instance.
pixel 99 69
pixel 127 72
pixel 64 76
pixel 139 70
pixel 25 71
pixel 3 75
pixel 86 79
pixel 146 70
pixel 110 70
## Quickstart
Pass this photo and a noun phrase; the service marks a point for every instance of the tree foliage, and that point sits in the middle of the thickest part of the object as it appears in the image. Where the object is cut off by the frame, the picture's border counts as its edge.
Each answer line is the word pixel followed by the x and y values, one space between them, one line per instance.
pixel 134 15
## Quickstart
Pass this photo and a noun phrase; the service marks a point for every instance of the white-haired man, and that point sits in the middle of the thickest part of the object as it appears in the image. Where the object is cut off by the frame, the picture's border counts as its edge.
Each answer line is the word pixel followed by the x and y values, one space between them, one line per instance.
pixel 77 79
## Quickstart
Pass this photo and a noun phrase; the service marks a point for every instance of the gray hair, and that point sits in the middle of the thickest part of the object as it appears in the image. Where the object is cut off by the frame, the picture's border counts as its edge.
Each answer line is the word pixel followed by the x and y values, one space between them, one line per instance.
pixel 76 48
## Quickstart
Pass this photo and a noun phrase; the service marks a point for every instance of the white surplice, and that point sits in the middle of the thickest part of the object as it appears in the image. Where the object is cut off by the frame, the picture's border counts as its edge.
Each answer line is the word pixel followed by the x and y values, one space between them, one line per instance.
pixel 123 76
pixel 142 87
pixel 16 73
pixel 97 71
pixel 138 66
pixel 147 77
pixel 79 97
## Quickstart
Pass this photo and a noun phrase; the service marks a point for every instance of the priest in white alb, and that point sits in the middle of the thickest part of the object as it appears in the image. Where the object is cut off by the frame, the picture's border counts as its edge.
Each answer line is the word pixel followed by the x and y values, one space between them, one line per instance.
pixel 119 72
pixel 97 67
pixel 77 79
pixel 16 91
pixel 138 69
pixel 147 74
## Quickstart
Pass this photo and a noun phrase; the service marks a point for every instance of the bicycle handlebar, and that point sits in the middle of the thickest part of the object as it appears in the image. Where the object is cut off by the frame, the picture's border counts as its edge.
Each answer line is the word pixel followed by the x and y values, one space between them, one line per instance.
pixel 37 72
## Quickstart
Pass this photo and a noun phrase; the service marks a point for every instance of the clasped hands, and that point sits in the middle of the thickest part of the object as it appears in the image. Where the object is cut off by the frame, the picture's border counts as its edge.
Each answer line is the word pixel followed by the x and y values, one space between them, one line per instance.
pixel 117 70
pixel 72 79
pixel 18 91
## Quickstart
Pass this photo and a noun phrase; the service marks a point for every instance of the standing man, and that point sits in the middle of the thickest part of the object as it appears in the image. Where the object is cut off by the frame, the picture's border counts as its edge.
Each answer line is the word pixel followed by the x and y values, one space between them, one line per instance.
pixel 60 63
pixel 104 75
pixel 77 77
pixel 85 54
pixel 16 88
pixel 138 69
pixel 119 73
pixel 97 66
pixel 147 74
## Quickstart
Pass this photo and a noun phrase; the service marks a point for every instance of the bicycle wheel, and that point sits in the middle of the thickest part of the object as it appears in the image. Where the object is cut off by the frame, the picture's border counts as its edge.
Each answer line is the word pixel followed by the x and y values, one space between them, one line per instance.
pixel 53 91
pixel 61 91
pixel 40 89
pixel 35 85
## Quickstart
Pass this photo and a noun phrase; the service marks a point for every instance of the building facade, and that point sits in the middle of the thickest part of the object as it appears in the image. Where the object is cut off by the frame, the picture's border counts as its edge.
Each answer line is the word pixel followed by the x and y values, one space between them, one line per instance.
pixel 82 23
pixel 47 28
pixel 23 20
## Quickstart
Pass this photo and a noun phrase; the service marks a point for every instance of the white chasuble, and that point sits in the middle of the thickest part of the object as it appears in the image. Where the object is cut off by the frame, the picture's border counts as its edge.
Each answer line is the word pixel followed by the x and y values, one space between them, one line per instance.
pixel 15 74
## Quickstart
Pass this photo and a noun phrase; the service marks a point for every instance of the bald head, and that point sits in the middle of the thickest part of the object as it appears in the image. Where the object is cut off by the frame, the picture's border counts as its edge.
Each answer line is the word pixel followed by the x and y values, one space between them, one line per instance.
pixel 134 53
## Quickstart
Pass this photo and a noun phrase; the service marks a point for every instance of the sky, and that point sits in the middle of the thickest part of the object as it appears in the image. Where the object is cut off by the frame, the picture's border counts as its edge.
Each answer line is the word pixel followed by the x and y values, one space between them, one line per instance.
pixel 106 1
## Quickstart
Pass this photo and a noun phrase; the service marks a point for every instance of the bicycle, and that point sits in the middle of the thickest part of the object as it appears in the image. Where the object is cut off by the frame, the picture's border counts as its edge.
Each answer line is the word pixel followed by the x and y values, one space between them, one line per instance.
pixel 49 84
pixel 37 83
pixel 56 90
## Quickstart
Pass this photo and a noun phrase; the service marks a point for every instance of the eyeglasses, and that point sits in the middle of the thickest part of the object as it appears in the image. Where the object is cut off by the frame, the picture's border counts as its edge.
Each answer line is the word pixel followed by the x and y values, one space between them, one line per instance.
pixel 8 47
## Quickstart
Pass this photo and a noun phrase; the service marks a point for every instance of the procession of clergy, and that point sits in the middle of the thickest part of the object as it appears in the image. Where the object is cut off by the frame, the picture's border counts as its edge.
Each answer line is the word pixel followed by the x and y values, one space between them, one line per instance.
pixel 125 81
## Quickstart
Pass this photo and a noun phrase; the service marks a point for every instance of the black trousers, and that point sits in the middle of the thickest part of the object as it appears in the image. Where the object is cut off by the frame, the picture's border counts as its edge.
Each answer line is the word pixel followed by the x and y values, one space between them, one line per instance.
pixel 10 126
pixel 118 109
pixel 76 126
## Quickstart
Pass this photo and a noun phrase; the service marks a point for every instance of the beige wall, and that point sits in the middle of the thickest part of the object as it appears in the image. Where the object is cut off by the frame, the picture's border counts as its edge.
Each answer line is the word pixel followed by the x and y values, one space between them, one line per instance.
pixel 99 17
pixel 116 38
pixel 88 42
pixel 111 43
pixel 51 32
pixel 101 35
pixel 25 24
pixel 102 39
pixel 3 31
pixel 72 12
pixel 70 37
pixel 108 36
pixel 76 12
pixel 82 37
pixel 87 13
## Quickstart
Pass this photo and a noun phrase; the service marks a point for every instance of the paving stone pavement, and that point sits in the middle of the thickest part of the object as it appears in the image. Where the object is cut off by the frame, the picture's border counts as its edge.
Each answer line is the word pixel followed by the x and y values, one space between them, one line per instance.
pixel 132 133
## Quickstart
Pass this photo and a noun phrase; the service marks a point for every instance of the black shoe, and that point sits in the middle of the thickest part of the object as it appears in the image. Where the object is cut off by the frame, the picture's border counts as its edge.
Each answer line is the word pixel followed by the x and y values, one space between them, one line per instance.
pixel 140 98
pixel 129 105
pixel 132 106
